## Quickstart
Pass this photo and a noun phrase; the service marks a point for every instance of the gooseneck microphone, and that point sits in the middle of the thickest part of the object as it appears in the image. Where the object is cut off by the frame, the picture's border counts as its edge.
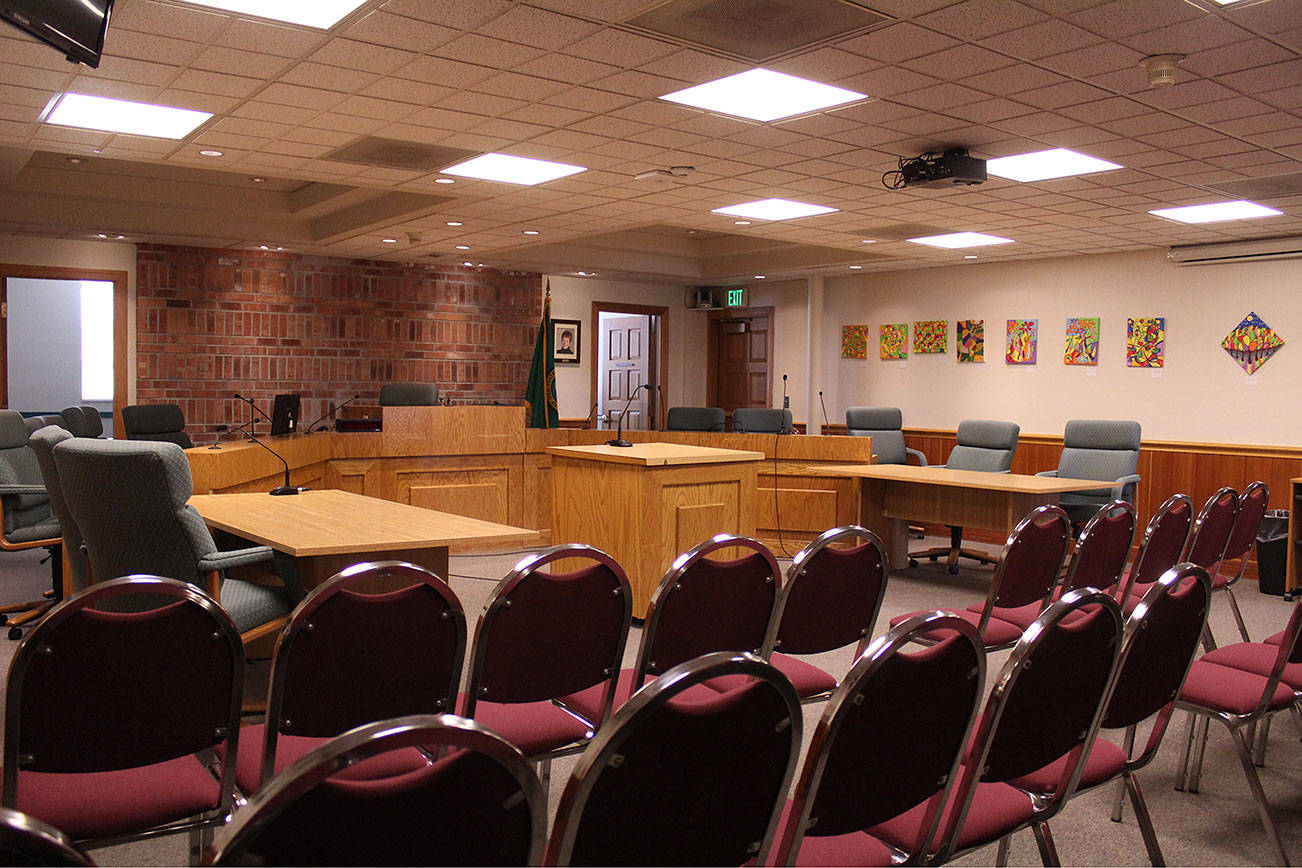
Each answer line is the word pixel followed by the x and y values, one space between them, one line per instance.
pixel 279 489
pixel 333 410
pixel 253 404
pixel 619 432
pixel 590 412
pixel 824 406
pixel 786 402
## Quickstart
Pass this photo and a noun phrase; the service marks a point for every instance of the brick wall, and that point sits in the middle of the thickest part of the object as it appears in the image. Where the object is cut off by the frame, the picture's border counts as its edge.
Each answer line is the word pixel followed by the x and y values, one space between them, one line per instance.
pixel 210 323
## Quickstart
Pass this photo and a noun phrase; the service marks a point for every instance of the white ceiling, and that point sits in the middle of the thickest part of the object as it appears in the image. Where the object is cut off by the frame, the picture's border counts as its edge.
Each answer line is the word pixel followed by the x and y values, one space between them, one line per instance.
pixel 568 80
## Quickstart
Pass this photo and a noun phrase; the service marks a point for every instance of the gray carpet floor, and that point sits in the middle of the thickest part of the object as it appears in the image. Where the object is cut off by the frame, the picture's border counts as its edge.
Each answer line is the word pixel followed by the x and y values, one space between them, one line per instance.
pixel 1217 826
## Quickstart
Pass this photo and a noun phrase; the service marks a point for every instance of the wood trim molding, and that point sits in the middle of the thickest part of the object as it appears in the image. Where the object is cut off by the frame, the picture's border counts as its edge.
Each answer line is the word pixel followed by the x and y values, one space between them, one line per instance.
pixel 594 342
pixel 1182 446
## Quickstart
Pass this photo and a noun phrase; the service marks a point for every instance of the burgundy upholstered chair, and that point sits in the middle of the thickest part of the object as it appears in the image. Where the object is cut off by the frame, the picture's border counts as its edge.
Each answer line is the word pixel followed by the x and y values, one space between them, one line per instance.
pixel 105 711
pixel 1252 509
pixel 1164 541
pixel 1045 706
pixel 543 635
pixel 866 763
pixel 684 776
pixel 832 597
pixel 1161 638
pixel 1211 536
pixel 1028 569
pixel 702 605
pixel 378 640
pixel 481 804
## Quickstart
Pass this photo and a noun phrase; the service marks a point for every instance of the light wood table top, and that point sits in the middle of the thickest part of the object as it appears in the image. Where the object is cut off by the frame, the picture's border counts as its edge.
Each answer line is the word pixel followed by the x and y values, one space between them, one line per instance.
pixel 330 522
pixel 1018 483
pixel 655 454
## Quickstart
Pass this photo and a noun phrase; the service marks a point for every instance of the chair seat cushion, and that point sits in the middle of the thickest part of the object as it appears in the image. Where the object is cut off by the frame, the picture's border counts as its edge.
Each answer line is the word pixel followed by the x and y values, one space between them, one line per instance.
pixel 587 703
pixel 997 809
pixel 851 849
pixel 99 804
pixel 1222 688
pixel 535 728
pixel 1255 657
pixel 998 633
pixel 1020 617
pixel 252 605
pixel 807 678
pixel 1105 762
pixel 291 748
pixel 47 529
pixel 1277 639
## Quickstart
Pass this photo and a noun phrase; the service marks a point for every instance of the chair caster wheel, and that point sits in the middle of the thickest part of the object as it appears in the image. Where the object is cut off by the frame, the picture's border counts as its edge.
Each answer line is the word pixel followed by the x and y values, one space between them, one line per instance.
pixel 15 633
pixel 953 571
pixel 932 558
pixel 913 564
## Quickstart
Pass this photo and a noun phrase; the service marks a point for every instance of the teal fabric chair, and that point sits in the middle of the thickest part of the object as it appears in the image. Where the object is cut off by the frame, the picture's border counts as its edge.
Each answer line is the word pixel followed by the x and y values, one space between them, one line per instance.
pixel 1098 449
pixel 883 424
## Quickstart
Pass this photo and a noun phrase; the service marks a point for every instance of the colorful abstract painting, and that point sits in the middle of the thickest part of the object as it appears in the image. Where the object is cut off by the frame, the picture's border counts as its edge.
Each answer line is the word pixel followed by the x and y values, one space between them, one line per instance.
pixel 895 341
pixel 854 342
pixel 970 340
pixel 1251 343
pixel 1023 336
pixel 931 336
pixel 1082 347
pixel 1145 342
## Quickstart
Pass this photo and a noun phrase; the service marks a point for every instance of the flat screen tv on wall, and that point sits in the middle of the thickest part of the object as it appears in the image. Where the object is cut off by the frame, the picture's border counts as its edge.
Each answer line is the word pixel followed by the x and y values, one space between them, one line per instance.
pixel 74 27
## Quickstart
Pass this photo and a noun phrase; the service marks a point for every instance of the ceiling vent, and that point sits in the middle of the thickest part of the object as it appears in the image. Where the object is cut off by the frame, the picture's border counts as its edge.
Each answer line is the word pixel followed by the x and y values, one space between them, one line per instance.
pixel 900 231
pixel 1263 188
pixel 398 154
pixel 756 30
pixel 1256 250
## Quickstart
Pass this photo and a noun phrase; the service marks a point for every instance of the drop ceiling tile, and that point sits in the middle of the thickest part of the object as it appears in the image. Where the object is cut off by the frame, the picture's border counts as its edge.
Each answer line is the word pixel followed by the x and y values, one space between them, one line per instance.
pixel 1225 59
pixel 1187 37
pixel 1141 125
pixel 1042 40
pixel 990 110
pixel 234 61
pixel 537 27
pixel 274 112
pixel 1013 79
pixel 625 50
pixel 475 103
pixel 1071 93
pixel 112 88
pixel 299 97
pixel 200 25
pixel 944 96
pixel 978 19
pixel 888 81
pixel 1265 78
pixel 1035 124
pixel 355 54
pixel 266 37
pixel 549 115
pixel 638 84
pixel 567 68
pixel 1109 109
pixel 1124 18
pixel 369 107
pixel 1288 98
pixel 1095 60
pixel 591 100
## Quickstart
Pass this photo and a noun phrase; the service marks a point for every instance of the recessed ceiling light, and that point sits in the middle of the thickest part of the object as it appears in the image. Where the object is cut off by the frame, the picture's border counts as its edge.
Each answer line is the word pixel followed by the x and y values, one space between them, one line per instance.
pixel 855 267
pixel 868 241
pixel 1214 212
pixel 322 14
pixel 955 240
pixel 444 181
pixel 529 231
pixel 76 161
pixel 969 256
pixel 760 276
pixel 463 247
pixel 741 223
pixel 123 116
pixel 764 95
pixel 471 264
pixel 389 240
pixel 512 170
pixel 257 180
pixel 209 152
pixel 1042 165
pixel 455 223
pixel 773 209
pixel 109 236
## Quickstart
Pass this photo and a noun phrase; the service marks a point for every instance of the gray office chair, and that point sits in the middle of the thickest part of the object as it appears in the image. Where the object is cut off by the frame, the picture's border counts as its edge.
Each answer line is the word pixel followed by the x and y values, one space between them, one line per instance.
pixel 42 444
pixel 695 419
pixel 409 395
pixel 164 423
pixel 985 445
pixel 1097 449
pixel 26 520
pixel 83 421
pixel 761 420
pixel 883 424
pixel 129 499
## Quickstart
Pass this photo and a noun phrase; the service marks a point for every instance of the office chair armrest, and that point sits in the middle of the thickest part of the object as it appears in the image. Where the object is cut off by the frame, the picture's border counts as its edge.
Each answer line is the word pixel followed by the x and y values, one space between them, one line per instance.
pixel 236 558
pixel 1053 473
pixel 20 488
pixel 922 459
pixel 1125 482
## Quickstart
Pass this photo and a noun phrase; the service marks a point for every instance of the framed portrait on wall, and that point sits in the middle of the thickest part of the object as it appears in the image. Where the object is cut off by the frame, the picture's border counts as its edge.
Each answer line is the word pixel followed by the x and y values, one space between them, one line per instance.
pixel 566 349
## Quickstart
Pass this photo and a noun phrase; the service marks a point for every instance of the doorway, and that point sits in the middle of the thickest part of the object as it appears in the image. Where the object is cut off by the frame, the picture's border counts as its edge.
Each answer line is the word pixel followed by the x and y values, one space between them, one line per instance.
pixel 740 359
pixel 629 346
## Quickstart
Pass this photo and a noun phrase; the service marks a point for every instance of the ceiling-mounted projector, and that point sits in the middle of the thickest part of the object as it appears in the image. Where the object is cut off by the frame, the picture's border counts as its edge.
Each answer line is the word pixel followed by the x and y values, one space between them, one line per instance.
pixel 953 168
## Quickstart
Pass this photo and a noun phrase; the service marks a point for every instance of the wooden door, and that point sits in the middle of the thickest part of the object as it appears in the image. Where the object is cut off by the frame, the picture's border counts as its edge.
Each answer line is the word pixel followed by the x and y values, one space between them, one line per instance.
pixel 741 345
pixel 627 365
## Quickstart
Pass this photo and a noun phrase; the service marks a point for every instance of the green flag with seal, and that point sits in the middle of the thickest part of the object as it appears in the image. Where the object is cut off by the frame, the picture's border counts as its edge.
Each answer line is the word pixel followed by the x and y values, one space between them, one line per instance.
pixel 540 396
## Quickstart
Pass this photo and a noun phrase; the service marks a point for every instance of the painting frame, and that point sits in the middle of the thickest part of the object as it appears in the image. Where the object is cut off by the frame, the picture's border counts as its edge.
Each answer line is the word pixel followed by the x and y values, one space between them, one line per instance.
pixel 563 354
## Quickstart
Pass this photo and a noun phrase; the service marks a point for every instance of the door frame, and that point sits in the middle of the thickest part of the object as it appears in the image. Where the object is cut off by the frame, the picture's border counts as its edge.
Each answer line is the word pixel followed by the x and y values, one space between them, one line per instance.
pixel 120 325
pixel 712 347
pixel 661 371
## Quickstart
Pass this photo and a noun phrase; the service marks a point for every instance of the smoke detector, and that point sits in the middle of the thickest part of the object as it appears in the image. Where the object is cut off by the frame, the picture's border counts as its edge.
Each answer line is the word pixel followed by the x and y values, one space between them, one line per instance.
pixel 664 176
pixel 1161 68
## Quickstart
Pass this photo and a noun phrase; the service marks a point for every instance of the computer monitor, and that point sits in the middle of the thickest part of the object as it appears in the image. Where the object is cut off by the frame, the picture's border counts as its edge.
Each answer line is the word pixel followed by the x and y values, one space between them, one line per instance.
pixel 284 415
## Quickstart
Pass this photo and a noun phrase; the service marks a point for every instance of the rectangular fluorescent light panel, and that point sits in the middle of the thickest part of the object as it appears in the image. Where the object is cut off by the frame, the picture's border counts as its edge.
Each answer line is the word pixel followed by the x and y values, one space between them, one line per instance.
pixel 1042 165
pixel 773 209
pixel 123 116
pixel 322 14
pixel 1215 212
pixel 763 95
pixel 957 240
pixel 512 170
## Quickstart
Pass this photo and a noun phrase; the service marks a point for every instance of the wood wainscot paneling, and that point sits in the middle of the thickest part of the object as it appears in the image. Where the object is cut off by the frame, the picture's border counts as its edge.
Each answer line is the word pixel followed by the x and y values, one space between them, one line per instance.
pixel 247 466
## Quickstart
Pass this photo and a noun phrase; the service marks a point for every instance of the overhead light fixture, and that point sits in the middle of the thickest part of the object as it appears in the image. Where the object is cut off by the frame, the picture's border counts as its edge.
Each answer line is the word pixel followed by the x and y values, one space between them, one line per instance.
pixel 109 115
pixel 513 170
pixel 764 95
pixel 209 152
pixel 855 267
pixel 969 256
pixel 957 240
pixel 444 181
pixel 528 231
pixel 388 240
pixel 109 236
pixel 470 264
pixel 741 223
pixel 322 14
pixel 868 241
pixel 1043 165
pixel 463 247
pixel 773 209
pixel 76 161
pixel 257 180
pixel 760 276
pixel 455 223
pixel 1215 212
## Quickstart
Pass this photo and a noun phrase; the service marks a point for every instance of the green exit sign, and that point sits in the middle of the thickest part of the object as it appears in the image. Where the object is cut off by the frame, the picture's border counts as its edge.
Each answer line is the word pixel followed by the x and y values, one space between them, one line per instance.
pixel 737 297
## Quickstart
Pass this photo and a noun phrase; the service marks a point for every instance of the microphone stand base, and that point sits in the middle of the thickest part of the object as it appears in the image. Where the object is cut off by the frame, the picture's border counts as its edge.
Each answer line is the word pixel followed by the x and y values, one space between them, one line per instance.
pixel 285 489
pixel 618 441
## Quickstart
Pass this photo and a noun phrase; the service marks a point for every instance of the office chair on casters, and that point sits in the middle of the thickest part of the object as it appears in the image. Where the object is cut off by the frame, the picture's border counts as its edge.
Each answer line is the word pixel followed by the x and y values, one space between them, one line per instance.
pixel 409 395
pixel 761 420
pixel 161 422
pixel 883 424
pixel 74 546
pixel 695 419
pixel 25 513
pixel 984 445
pixel 83 421
pixel 1097 449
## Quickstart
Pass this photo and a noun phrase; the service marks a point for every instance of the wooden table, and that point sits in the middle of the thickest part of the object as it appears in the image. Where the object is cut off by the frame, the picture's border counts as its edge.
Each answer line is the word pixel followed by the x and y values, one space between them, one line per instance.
pixel 647 503
pixel 895 494
pixel 317 533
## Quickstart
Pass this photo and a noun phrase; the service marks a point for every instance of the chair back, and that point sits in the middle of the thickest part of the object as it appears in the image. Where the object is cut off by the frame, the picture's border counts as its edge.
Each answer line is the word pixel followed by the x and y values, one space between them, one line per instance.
pixel 94 690
pixel 703 605
pixel 409 395
pixel 1164 541
pixel 866 763
pixel 833 592
pixel 42 444
pixel 1098 449
pixel 161 422
pixel 883 424
pixel 547 634
pixel 984 444
pixel 1030 562
pixel 761 420
pixel 25 840
pixel 1046 703
pixel 1102 549
pixel 677 779
pixel 18 465
pixel 1211 532
pixel 387 617
pixel 1252 509
pixel 481 804
pixel 695 419
pixel 129 500
pixel 83 421
pixel 36 423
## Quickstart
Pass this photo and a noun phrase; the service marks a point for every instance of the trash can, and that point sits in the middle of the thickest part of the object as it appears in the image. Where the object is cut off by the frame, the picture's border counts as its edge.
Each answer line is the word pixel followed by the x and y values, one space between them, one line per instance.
pixel 1272 552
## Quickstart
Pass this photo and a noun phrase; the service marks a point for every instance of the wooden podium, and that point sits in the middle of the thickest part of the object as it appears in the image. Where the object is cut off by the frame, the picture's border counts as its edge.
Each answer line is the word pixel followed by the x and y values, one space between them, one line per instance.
pixel 645 504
